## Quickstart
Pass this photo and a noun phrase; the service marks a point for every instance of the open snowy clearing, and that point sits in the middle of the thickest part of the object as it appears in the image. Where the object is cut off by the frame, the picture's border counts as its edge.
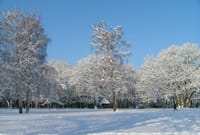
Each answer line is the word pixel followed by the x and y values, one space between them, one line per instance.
pixel 89 121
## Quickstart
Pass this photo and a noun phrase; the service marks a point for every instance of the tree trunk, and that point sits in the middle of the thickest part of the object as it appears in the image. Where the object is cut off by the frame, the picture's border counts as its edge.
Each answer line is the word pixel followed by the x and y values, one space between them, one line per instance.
pixel 27 100
pixel 114 101
pixel 20 99
pixel 20 104
pixel 36 102
pixel 8 103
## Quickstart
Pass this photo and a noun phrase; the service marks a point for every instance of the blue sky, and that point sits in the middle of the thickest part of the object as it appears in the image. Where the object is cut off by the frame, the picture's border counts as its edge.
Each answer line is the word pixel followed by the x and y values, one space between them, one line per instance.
pixel 149 25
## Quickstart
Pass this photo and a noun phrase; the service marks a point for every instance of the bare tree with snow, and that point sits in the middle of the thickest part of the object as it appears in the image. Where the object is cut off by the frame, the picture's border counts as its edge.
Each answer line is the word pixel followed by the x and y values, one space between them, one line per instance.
pixel 25 33
pixel 110 44
pixel 173 73
pixel 64 73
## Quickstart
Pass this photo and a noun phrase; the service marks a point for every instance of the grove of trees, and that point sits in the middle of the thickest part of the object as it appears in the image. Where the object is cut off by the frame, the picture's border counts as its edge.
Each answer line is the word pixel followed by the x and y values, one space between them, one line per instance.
pixel 174 73
pixel 103 77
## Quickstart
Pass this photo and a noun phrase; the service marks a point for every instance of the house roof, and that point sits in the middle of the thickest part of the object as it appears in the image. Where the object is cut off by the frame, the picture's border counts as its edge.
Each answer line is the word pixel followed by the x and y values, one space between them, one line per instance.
pixel 104 101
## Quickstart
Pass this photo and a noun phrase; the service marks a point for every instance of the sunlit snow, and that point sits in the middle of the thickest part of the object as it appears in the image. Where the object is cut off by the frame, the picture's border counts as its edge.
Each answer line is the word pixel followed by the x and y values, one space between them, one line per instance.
pixel 90 121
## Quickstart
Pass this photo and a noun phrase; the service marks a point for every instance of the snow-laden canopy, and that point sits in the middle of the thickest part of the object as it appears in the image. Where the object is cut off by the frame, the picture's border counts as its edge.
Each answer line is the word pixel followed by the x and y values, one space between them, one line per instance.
pixel 173 73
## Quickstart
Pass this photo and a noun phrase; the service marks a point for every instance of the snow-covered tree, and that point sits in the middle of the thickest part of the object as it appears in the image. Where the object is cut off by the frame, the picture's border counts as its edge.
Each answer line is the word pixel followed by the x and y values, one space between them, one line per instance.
pixel 91 78
pixel 173 73
pixel 44 78
pixel 129 82
pixel 7 88
pixel 63 69
pixel 110 44
pixel 82 77
pixel 25 34
pixel 64 73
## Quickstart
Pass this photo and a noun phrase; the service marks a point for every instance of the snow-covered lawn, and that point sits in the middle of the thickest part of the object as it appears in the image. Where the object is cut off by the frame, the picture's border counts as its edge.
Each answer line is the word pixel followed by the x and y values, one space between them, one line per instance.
pixel 89 121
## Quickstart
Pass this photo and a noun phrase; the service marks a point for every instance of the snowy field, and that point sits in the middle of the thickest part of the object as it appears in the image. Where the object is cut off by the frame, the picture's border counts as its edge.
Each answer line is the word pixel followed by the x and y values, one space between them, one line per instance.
pixel 100 122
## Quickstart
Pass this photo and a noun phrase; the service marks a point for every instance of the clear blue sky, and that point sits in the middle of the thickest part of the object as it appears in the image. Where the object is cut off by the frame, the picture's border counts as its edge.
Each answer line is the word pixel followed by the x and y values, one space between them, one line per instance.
pixel 149 25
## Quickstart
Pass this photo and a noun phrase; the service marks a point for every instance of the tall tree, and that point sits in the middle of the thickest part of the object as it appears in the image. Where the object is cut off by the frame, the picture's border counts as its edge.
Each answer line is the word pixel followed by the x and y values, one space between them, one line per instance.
pixel 110 44
pixel 26 34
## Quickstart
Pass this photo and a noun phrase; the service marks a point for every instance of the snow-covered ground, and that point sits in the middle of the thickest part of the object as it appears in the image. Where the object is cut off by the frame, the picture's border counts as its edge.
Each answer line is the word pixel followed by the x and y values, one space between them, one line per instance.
pixel 103 122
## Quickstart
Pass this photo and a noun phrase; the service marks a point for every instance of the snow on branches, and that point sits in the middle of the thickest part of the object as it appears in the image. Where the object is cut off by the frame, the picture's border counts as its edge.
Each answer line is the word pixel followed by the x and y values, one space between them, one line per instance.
pixel 174 73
